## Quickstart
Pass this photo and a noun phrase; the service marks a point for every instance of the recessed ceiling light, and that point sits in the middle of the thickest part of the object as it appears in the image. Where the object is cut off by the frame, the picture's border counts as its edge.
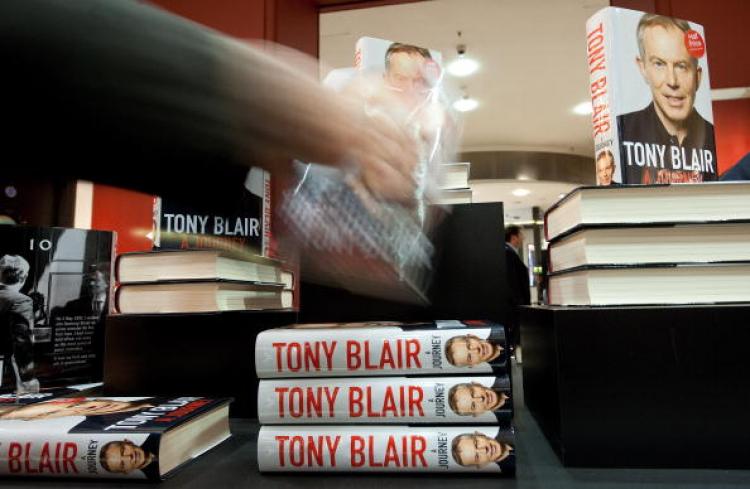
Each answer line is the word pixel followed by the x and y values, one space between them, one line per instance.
pixel 465 104
pixel 561 196
pixel 584 108
pixel 462 66
pixel 521 192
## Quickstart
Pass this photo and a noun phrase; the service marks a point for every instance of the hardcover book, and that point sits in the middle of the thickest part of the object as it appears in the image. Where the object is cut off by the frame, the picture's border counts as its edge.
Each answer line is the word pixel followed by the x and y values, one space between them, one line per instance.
pixel 711 202
pixel 54 296
pixel 239 222
pixel 381 348
pixel 651 99
pixel 191 265
pixel 387 449
pixel 201 296
pixel 674 283
pixel 349 235
pixel 651 244
pixel 138 438
pixel 417 400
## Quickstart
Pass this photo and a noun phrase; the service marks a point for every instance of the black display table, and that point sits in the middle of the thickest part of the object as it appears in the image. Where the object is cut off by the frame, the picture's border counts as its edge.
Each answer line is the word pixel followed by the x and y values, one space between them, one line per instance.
pixel 233 465
pixel 641 386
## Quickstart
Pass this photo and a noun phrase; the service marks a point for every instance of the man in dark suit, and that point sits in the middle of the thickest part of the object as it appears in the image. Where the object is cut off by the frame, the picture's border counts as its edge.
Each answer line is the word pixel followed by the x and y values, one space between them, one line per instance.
pixel 16 321
pixel 518 281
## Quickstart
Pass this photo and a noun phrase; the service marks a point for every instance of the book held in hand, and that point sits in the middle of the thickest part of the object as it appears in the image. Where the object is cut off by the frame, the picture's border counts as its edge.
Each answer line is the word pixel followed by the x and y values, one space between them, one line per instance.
pixel 441 449
pixel 381 348
pixel 399 400
pixel 651 99
pixel 134 438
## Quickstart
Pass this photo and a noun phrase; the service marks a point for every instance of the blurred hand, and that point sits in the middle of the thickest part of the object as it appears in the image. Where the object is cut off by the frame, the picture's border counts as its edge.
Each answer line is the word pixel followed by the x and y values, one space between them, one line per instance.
pixel 281 109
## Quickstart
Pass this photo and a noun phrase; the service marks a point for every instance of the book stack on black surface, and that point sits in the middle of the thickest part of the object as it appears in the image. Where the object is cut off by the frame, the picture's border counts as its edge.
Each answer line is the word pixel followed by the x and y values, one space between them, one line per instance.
pixel 438 395
pixel 190 281
pixel 650 244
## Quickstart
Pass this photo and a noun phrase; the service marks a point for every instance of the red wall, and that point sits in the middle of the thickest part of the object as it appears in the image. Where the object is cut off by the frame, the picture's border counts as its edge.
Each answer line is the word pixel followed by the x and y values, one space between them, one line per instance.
pixel 732 126
pixel 132 224
pixel 726 24
pixel 293 23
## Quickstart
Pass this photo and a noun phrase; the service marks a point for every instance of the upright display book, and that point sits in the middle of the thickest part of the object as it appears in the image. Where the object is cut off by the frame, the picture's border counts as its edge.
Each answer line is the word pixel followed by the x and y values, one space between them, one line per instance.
pixel 133 437
pixel 399 400
pixel 712 202
pixel 382 348
pixel 651 99
pixel 54 296
pixel 239 221
pixel 441 449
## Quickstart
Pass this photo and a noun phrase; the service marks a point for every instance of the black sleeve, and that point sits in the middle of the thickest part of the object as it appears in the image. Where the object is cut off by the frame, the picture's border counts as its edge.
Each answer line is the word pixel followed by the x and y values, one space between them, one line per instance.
pixel 112 90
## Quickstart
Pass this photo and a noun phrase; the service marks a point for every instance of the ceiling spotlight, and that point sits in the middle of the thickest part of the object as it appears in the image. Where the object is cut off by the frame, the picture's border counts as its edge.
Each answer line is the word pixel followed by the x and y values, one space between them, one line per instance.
pixel 584 108
pixel 521 192
pixel 465 104
pixel 462 65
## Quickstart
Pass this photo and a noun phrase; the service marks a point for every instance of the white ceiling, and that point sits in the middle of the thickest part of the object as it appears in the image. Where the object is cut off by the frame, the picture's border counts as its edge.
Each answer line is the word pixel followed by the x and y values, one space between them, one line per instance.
pixel 532 54
pixel 518 209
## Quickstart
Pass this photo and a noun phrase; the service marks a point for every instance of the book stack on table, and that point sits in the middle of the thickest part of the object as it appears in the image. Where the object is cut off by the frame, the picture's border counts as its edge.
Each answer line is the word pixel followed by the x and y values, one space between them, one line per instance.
pixel 385 397
pixel 650 244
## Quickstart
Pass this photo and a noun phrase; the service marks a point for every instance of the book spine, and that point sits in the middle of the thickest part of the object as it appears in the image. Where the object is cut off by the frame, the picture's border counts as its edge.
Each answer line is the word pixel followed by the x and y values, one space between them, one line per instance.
pixel 599 38
pixel 376 351
pixel 267 236
pixel 488 449
pixel 419 400
pixel 30 453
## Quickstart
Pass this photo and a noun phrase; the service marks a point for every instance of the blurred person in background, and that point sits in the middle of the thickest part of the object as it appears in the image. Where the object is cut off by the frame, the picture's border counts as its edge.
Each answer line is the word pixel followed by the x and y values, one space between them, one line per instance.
pixel 518 284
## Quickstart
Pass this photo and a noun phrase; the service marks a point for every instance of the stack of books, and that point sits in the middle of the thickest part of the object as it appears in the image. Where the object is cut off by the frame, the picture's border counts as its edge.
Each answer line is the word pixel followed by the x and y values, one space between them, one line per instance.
pixel 393 397
pixel 650 244
pixel 190 281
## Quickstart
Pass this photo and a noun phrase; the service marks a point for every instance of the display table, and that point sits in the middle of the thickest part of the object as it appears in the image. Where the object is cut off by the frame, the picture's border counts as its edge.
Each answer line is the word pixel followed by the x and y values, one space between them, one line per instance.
pixel 641 386
pixel 233 465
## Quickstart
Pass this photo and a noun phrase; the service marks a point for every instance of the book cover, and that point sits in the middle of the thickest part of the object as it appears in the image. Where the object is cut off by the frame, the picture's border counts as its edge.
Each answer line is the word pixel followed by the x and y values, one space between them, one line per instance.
pixel 96 437
pixel 474 449
pixel 381 348
pixel 417 400
pixel 54 295
pixel 240 221
pixel 651 99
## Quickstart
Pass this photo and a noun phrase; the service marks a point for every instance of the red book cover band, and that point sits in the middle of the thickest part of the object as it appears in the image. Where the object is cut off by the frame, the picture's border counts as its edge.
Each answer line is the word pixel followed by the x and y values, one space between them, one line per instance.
pixel 381 348
pixel 435 400
pixel 91 437
pixel 387 448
